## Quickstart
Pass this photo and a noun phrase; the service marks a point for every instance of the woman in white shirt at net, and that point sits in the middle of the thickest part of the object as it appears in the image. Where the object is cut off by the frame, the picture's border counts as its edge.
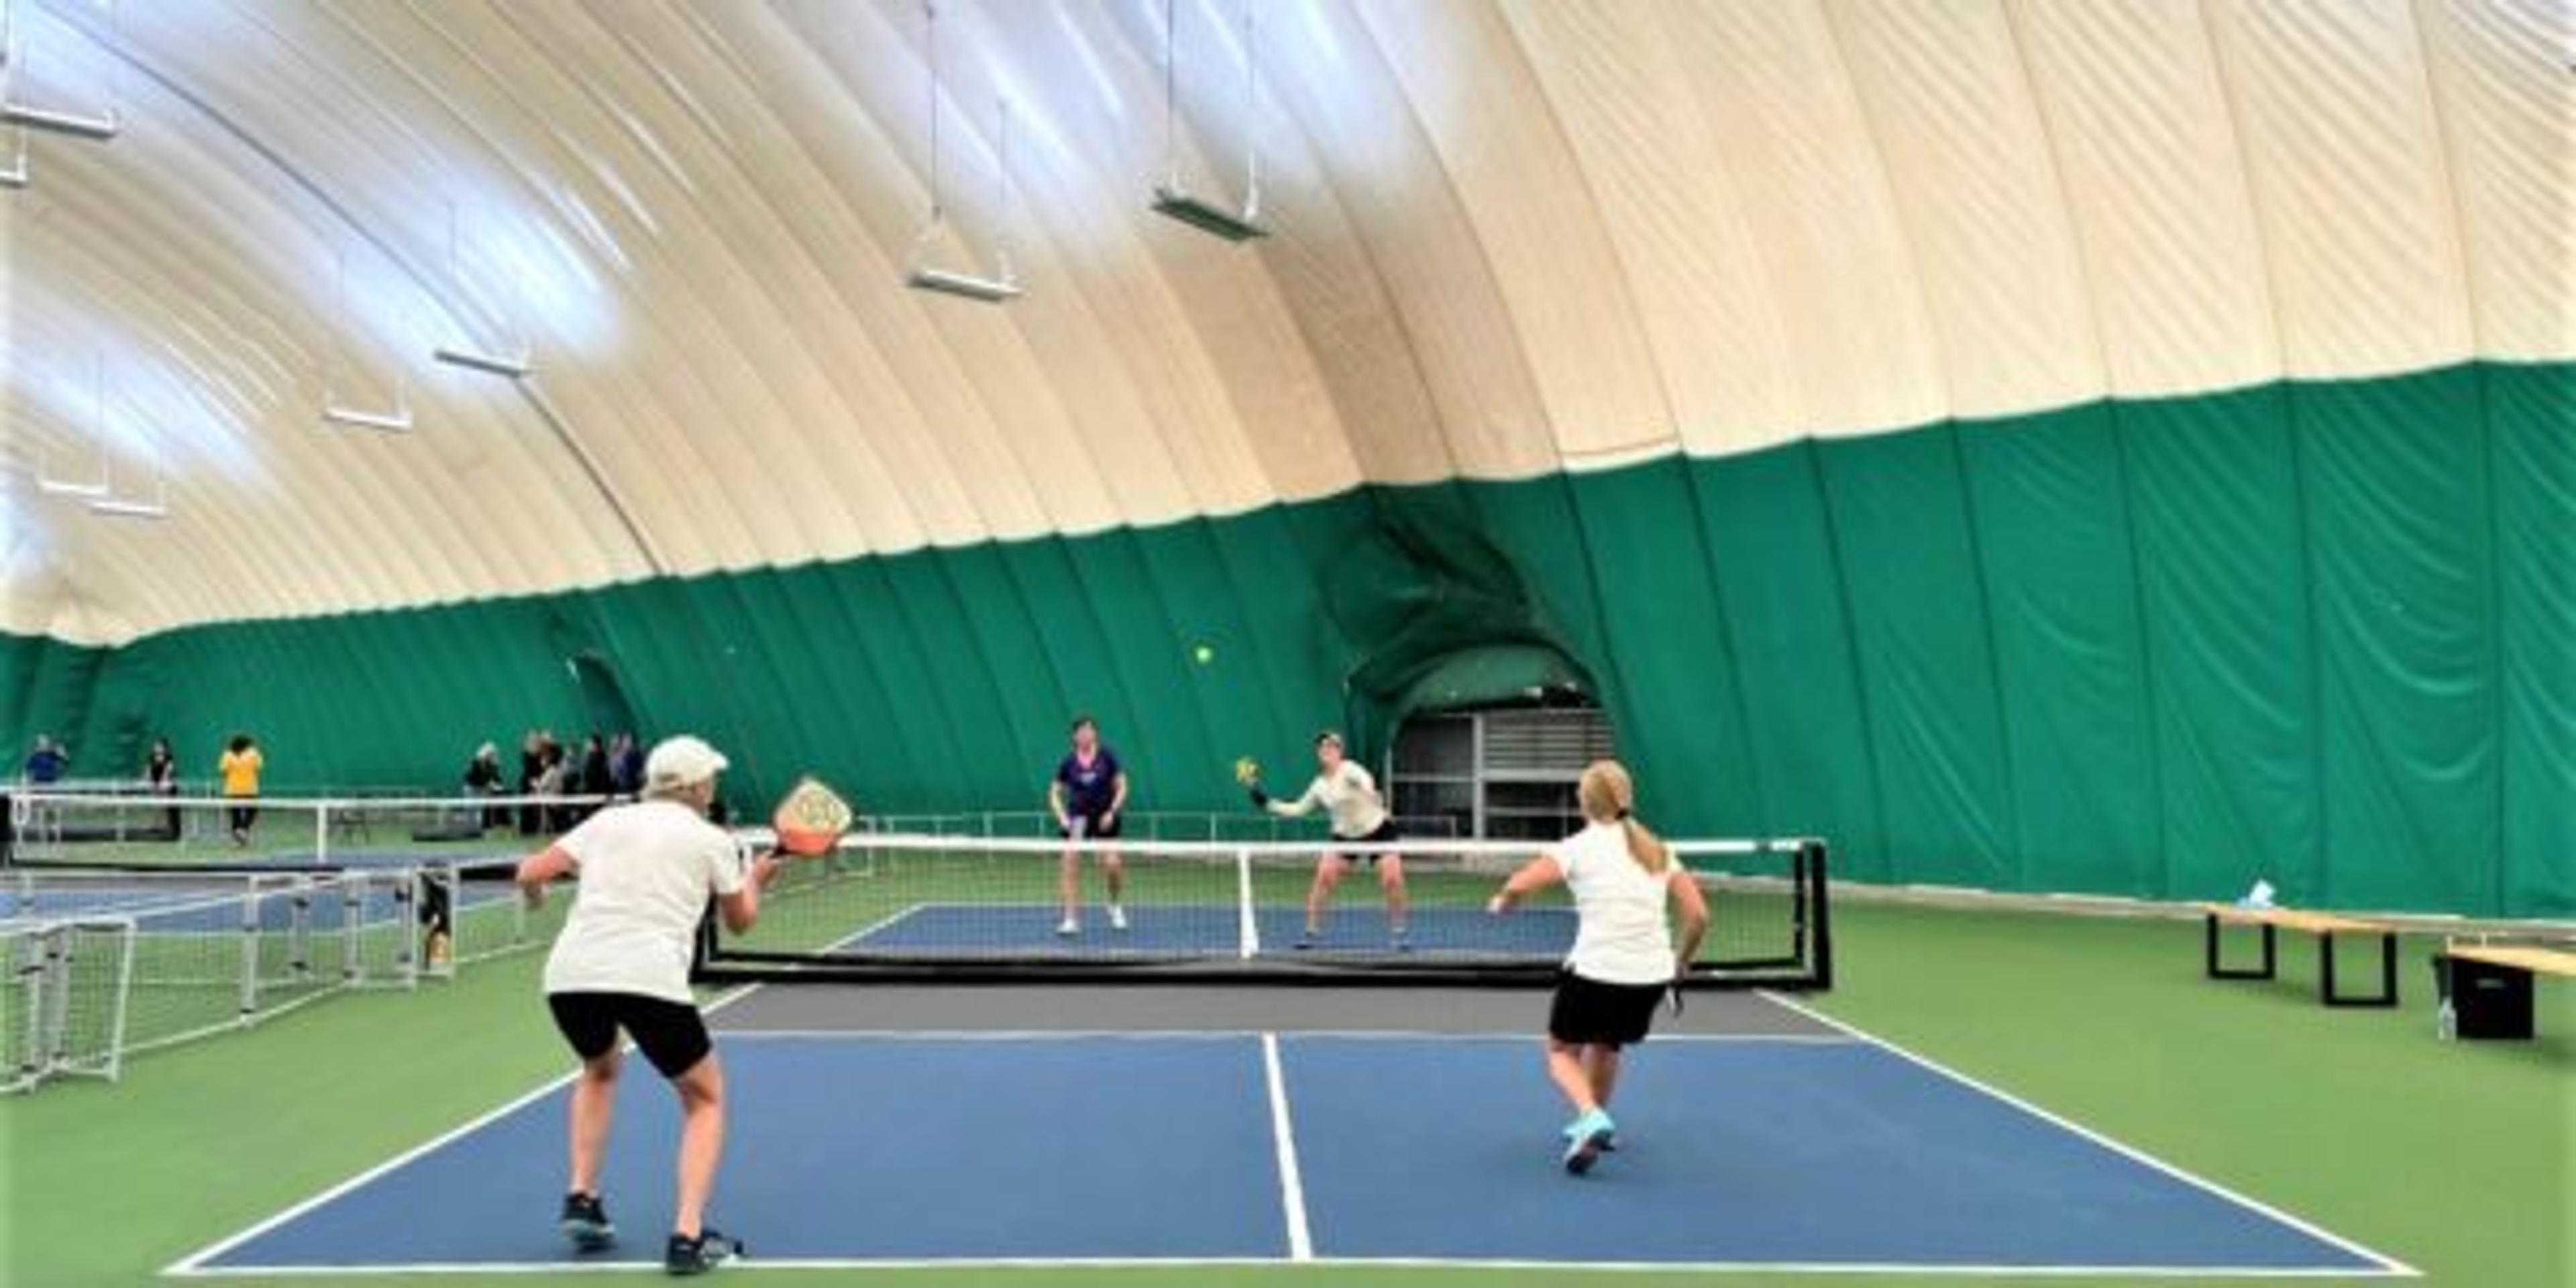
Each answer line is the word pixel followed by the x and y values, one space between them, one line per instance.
pixel 1624 960
pixel 1349 797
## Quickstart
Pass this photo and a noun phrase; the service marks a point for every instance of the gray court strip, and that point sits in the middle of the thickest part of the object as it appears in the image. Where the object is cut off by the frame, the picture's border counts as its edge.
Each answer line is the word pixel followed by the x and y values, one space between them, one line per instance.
pixel 875 1008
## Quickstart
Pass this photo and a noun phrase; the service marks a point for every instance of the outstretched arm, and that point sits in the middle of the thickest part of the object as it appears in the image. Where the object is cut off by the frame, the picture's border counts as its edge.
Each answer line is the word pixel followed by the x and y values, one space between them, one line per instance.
pixel 1694 908
pixel 1298 808
pixel 536 872
pixel 1536 875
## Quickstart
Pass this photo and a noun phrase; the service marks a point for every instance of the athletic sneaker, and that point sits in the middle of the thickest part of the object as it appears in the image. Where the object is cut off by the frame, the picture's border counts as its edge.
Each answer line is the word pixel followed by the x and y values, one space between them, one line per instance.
pixel 1584 1138
pixel 687 1256
pixel 1117 917
pixel 1609 1143
pixel 1399 940
pixel 1069 927
pixel 1306 938
pixel 585 1222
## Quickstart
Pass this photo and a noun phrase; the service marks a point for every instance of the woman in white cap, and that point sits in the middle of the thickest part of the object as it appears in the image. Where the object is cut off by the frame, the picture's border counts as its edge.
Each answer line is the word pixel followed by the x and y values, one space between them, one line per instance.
pixel 647 873
pixel 1623 960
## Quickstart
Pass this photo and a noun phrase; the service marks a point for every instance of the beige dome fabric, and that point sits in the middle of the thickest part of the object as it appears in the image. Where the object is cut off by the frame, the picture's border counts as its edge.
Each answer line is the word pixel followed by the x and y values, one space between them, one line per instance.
pixel 1512 238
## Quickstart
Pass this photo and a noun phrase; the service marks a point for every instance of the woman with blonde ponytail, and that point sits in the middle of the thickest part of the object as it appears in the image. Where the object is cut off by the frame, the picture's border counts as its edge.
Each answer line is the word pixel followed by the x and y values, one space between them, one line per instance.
pixel 1624 958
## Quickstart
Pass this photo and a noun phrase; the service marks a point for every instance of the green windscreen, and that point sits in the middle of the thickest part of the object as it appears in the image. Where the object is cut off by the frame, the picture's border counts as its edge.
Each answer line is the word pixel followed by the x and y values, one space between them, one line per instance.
pixel 2320 634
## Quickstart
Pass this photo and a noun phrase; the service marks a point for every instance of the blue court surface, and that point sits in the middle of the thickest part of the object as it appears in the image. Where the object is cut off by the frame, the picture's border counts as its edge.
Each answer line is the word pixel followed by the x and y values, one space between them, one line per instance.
pixel 846 1150
pixel 1158 930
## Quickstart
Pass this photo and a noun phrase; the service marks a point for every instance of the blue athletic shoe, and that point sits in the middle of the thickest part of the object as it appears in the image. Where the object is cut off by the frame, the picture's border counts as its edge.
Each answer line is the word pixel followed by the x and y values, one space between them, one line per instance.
pixel 1609 1141
pixel 1585 1138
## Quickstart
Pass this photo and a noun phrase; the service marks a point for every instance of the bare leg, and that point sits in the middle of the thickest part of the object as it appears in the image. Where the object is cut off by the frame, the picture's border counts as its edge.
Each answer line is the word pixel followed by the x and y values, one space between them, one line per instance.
pixel 1390 878
pixel 702 1131
pixel 1068 882
pixel 1601 1065
pixel 1328 873
pixel 594 1102
pixel 1565 1067
pixel 1115 868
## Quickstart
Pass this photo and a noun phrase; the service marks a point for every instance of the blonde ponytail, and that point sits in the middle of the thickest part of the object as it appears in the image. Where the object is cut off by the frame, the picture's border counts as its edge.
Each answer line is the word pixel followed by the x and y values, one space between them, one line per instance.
pixel 1609 795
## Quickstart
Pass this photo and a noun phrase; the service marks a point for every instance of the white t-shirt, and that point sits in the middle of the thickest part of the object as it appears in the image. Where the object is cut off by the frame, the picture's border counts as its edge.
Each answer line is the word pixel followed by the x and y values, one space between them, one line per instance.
pixel 647 871
pixel 1348 795
pixel 1621 935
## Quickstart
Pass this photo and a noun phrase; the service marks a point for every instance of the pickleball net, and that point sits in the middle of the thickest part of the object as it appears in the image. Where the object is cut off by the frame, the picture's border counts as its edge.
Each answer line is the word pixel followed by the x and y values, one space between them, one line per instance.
pixel 958 908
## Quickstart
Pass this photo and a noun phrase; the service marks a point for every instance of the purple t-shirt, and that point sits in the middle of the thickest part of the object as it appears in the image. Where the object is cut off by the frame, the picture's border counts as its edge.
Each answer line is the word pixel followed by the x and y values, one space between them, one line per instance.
pixel 1089 788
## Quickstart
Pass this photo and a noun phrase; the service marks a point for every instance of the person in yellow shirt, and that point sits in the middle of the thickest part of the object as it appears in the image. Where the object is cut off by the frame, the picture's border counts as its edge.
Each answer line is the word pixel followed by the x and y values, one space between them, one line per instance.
pixel 240 767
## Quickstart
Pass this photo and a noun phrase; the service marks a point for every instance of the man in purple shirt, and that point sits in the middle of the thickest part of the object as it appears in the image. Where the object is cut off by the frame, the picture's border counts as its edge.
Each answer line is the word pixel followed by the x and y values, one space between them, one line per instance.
pixel 1088 796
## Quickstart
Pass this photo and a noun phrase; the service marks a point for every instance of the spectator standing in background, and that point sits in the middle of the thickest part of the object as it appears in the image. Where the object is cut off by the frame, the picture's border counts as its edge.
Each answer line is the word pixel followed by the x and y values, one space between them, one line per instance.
pixel 46 762
pixel 532 762
pixel 553 776
pixel 240 766
pixel 625 765
pixel 483 778
pixel 594 772
pixel 161 778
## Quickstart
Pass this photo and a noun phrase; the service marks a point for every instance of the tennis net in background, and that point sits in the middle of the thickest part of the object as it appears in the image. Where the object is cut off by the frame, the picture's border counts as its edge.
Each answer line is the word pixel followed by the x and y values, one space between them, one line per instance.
pixel 466 851
pixel 89 830
pixel 946 907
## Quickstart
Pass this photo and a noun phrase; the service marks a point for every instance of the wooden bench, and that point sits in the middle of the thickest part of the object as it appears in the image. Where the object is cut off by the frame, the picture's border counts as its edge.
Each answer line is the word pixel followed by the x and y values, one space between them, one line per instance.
pixel 2486 988
pixel 2325 926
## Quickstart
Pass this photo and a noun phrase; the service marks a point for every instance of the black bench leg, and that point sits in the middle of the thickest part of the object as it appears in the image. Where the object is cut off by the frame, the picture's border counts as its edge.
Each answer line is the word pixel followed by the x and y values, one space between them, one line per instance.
pixel 2387 994
pixel 2218 970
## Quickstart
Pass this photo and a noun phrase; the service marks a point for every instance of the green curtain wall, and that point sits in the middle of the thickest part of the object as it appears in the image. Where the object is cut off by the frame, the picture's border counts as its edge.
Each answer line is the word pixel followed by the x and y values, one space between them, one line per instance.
pixel 2319 633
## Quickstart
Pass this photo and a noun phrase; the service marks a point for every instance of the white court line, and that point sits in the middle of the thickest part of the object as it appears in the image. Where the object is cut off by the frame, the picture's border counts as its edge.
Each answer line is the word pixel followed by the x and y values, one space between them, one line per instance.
pixel 878 926
pixel 1422 1263
pixel 1236 1035
pixel 2387 1264
pixel 1283 1137
pixel 194 1263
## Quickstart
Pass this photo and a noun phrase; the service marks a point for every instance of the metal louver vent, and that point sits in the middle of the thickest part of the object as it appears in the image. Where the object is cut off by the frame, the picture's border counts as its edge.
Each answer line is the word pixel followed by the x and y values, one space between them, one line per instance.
pixel 1552 742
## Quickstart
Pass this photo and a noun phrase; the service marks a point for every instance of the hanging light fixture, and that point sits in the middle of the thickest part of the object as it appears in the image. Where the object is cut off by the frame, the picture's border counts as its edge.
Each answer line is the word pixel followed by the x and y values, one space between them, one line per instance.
pixel 15 174
pixel 117 507
pixel 505 365
pixel 82 488
pixel 395 421
pixel 920 274
pixel 77 125
pixel 1170 198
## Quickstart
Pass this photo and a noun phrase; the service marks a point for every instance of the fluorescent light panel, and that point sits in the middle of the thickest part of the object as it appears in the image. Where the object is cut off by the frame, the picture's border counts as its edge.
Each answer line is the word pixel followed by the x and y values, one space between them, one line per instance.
pixel 1180 205
pixel 488 363
pixel 117 508
pixel 396 421
pixel 990 290
pixel 66 487
pixel 54 122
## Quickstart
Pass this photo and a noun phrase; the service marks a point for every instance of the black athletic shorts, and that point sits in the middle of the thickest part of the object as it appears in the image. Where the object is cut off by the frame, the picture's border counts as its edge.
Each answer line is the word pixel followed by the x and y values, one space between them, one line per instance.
pixel 1096 827
pixel 671 1034
pixel 1591 1013
pixel 1386 834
